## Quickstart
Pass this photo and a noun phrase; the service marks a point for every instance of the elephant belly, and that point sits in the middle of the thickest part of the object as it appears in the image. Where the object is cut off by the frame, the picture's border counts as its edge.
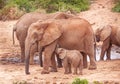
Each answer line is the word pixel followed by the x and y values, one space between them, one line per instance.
pixel 72 44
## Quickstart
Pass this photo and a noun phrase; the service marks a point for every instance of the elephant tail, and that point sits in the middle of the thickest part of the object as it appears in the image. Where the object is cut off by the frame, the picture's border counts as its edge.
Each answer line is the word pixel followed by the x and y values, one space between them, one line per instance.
pixel 14 29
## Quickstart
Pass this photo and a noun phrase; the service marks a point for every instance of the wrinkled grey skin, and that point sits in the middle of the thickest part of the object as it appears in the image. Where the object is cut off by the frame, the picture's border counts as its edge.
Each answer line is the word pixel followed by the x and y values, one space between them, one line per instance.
pixel 21 28
pixel 71 58
pixel 108 35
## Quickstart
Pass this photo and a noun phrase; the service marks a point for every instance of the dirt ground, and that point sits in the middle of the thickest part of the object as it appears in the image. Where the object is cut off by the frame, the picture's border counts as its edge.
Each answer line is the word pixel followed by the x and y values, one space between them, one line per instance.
pixel 11 71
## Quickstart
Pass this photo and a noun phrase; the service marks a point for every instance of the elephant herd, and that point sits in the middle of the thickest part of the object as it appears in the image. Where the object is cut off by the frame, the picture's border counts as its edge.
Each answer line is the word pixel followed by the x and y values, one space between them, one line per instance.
pixel 37 32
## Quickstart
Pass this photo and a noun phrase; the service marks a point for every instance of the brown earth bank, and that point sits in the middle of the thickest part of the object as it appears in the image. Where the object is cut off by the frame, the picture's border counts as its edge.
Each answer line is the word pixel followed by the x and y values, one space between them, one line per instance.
pixel 11 71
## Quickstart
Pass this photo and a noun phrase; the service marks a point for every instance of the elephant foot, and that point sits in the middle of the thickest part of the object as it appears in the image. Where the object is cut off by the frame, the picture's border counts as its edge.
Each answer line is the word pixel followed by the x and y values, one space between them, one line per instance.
pixel 45 72
pixel 108 59
pixel 32 63
pixel 101 59
pixel 92 67
pixel 41 65
pixel 85 66
pixel 74 73
pixel 66 73
pixel 53 69
pixel 80 73
pixel 60 66
pixel 22 61
pixel 27 73
pixel 70 72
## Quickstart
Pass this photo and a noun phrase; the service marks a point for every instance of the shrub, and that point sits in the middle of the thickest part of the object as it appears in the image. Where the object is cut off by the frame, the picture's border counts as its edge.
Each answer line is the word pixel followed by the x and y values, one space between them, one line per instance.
pixel 10 12
pixel 63 5
pixel 80 81
pixel 97 82
pixel 22 6
pixel 116 8
pixel 2 3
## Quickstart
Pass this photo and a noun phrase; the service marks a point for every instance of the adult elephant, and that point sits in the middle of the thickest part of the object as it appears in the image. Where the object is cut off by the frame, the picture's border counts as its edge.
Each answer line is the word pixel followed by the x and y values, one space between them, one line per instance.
pixel 72 33
pixel 109 35
pixel 21 28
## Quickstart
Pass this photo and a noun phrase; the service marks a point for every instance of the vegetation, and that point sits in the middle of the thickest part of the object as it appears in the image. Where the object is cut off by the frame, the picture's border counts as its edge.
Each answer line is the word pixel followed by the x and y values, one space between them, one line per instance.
pixel 97 82
pixel 80 81
pixel 20 82
pixel 16 8
pixel 116 8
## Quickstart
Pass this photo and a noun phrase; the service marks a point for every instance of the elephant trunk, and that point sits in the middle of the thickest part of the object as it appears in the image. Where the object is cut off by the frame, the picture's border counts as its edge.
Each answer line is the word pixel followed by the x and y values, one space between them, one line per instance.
pixel 27 56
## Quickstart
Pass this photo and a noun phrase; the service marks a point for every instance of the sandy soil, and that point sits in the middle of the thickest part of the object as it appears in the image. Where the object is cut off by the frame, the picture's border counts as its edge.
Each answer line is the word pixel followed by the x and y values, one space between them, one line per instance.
pixel 11 71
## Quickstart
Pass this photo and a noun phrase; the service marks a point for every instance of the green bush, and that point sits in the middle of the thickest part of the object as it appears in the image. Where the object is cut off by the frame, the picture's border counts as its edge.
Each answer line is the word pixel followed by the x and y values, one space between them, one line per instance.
pixel 2 3
pixel 64 5
pixel 116 8
pixel 10 11
pixel 23 6
pixel 97 82
pixel 80 81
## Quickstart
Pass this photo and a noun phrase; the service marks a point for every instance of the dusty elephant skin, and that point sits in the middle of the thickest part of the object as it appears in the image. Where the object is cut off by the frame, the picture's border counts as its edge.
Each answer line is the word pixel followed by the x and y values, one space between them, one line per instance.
pixel 109 35
pixel 23 24
pixel 72 33
pixel 71 58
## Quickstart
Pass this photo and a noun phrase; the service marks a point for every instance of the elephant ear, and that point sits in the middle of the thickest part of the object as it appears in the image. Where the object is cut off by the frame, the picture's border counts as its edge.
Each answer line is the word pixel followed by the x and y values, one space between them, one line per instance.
pixel 105 33
pixel 51 33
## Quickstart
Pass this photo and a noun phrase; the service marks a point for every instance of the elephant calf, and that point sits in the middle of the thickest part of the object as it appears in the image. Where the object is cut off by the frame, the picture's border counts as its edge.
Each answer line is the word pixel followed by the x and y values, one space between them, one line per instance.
pixel 71 58
pixel 109 35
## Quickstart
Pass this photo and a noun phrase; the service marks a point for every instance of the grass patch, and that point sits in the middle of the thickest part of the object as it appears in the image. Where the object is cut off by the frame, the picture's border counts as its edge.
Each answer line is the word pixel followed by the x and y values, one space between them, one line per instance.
pixel 80 81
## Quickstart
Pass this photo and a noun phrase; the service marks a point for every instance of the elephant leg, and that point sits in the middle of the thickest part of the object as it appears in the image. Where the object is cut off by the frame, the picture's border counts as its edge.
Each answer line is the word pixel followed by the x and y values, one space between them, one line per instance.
pixel 109 52
pixel 40 57
pixel 75 71
pixel 48 51
pixel 81 66
pixel 105 47
pixel 40 49
pixel 102 53
pixel 90 53
pixel 22 46
pixel 69 67
pixel 66 68
pixel 53 63
pixel 32 52
pixel 85 64
pixel 65 65
pixel 92 61
pixel 59 61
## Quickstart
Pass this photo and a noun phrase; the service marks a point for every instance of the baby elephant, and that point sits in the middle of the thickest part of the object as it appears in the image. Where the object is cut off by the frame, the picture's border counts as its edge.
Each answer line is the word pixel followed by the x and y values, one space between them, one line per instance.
pixel 71 58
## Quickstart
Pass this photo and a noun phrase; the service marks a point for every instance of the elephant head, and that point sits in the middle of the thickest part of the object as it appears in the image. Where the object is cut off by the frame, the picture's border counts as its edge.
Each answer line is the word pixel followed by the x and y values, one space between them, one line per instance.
pixel 103 34
pixel 62 53
pixel 40 32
